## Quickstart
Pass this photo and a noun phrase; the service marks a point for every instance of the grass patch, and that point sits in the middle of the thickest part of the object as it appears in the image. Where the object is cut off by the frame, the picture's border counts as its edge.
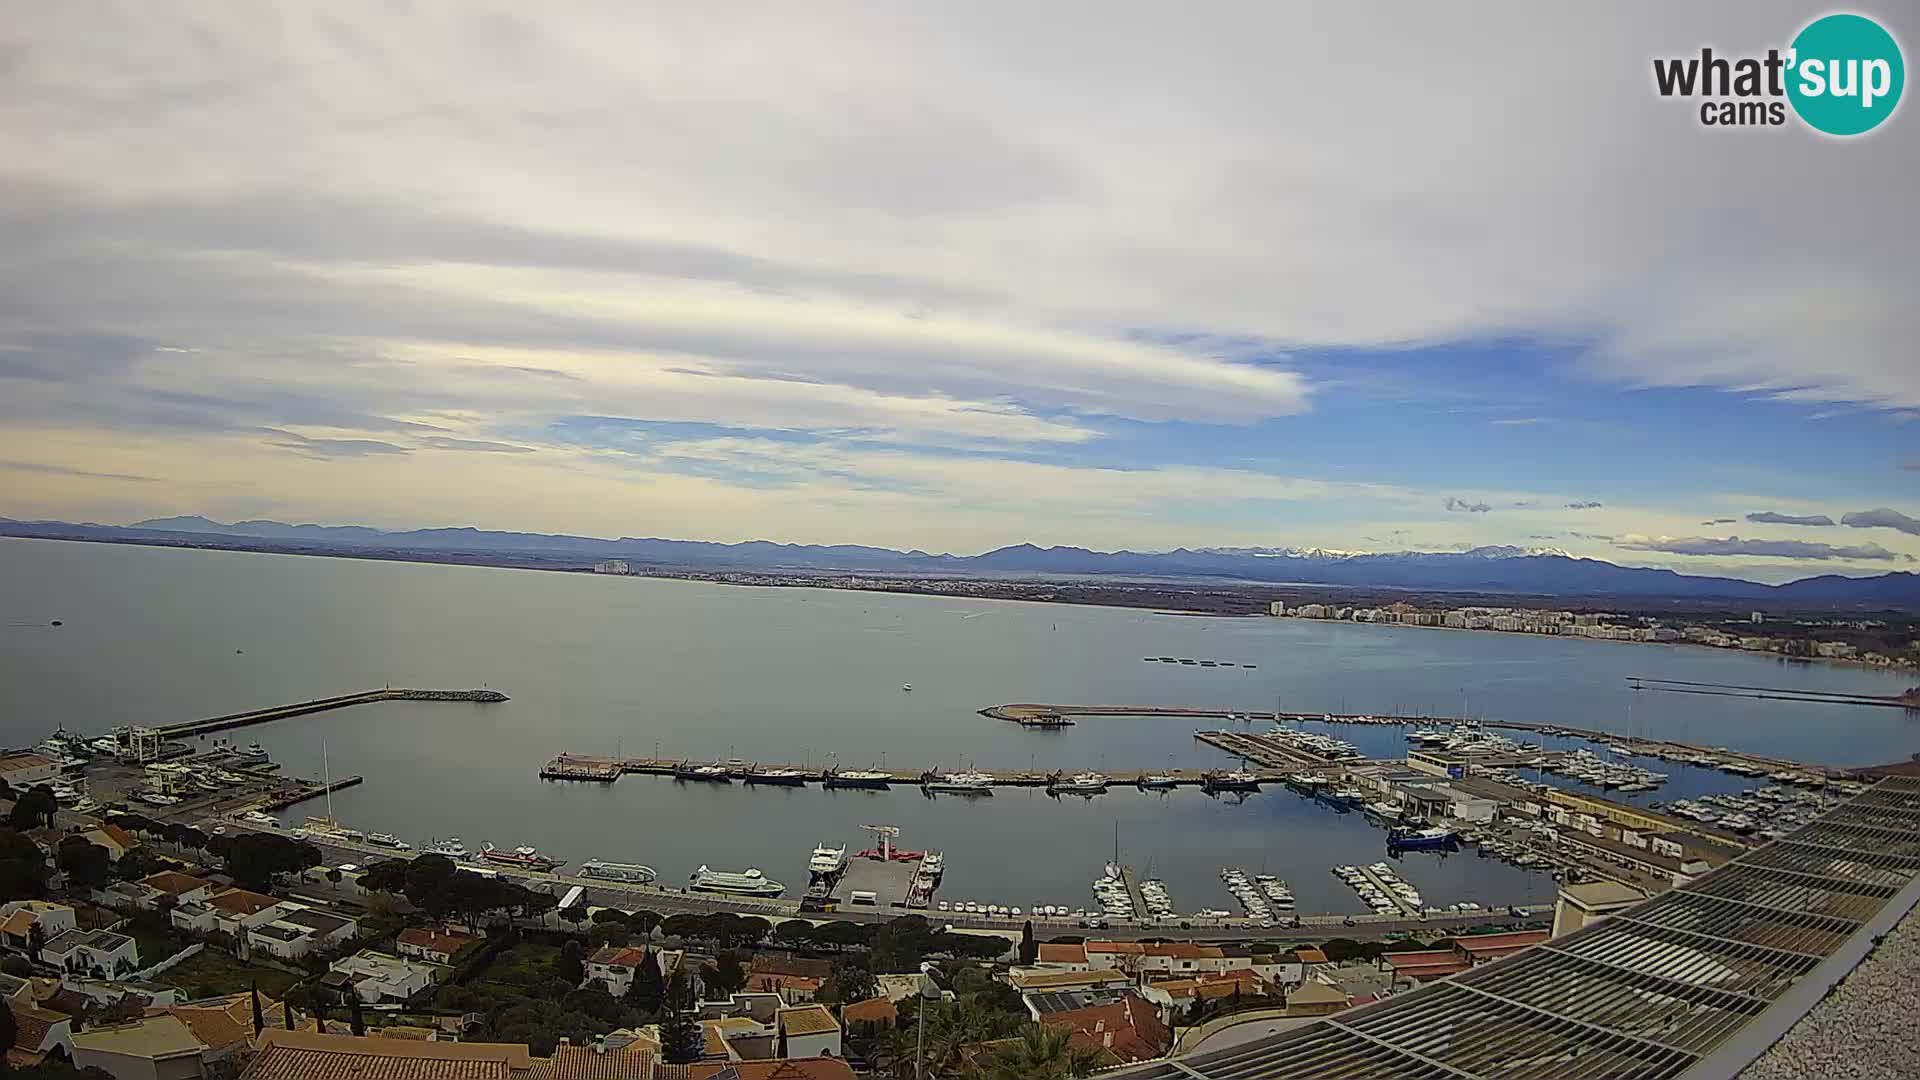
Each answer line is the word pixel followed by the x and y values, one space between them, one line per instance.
pixel 224 974
pixel 526 964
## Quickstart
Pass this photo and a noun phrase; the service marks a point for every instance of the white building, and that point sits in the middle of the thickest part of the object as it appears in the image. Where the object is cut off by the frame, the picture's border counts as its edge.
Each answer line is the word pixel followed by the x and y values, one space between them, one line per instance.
pixel 376 977
pixel 100 953
pixel 614 967
pixel 22 769
pixel 808 1031
pixel 300 931
pixel 19 917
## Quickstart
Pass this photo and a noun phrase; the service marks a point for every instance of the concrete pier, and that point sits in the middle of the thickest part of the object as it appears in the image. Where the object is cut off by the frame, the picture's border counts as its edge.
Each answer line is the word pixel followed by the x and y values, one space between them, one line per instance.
pixel 303 708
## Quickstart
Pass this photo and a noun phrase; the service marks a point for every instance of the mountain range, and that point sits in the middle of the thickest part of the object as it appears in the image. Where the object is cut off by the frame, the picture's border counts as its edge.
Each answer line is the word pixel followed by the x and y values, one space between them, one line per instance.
pixel 1493 569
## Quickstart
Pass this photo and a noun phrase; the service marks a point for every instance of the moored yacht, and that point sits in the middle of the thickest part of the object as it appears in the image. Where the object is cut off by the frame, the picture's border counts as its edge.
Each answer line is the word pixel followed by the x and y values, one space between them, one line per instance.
pixel 858 778
pixel 777 777
pixel 715 773
pixel 524 858
pixel 1082 783
pixel 827 860
pixel 451 847
pixel 1158 782
pixel 635 873
pixel 387 840
pixel 749 882
pixel 967 782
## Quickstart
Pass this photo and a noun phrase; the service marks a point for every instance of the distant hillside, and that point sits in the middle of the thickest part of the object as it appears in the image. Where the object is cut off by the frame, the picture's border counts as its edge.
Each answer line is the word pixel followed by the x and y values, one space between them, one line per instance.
pixel 1483 570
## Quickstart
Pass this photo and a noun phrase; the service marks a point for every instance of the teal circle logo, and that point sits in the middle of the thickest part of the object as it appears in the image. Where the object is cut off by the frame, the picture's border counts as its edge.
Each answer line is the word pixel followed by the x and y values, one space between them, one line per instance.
pixel 1846 74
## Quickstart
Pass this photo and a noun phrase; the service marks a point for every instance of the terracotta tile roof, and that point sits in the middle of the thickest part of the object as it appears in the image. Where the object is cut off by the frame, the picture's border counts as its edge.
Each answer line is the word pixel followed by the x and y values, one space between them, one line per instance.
pixel 1315 992
pixel 153 1038
pixel 780 963
pixel 807 1020
pixel 1497 942
pixel 216 1028
pixel 19 923
pixel 1129 1029
pixel 811 1068
pixel 1040 980
pixel 31 1024
pixel 1422 958
pixel 241 902
pixel 1062 954
pixel 17 1058
pixel 436 940
pixel 174 882
pixel 121 837
pixel 585 1063
pixel 1308 954
pixel 773 984
pixel 1184 950
pixel 631 956
pixel 1122 948
pixel 877 1010
pixel 304 1055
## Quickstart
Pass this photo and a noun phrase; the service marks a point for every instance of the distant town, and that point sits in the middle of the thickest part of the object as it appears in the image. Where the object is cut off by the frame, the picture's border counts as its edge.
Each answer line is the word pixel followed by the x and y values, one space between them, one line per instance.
pixel 1822 639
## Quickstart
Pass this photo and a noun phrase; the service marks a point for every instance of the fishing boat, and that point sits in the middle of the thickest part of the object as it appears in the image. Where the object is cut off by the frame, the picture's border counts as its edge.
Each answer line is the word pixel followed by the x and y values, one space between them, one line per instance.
pixel 1157 782
pixel 858 778
pixel 525 858
pixel 634 873
pixel 827 860
pixel 254 754
pixel 777 777
pixel 1419 839
pixel 712 774
pixel 451 848
pixel 961 783
pixel 1083 783
pixel 749 882
pixel 1237 780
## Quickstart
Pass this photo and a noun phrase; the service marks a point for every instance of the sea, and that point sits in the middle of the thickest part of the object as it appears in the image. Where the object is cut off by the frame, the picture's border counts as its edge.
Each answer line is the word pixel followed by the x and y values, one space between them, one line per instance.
pixel 656 667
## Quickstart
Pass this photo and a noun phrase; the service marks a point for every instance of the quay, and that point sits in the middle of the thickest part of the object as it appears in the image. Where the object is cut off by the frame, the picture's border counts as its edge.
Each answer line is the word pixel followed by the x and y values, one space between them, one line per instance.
pixel 587 767
pixel 305 792
pixel 1656 748
pixel 303 708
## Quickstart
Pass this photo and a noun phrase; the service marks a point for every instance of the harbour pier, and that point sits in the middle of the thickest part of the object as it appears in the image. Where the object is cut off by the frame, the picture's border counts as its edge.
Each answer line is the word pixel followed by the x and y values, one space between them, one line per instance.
pixel 303 708
pixel 592 768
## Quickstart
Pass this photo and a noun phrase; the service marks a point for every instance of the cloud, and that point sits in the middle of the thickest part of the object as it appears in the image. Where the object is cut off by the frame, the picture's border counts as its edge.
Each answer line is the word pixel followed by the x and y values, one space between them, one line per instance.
pixel 443 442
pixel 1720 521
pixel 331 448
pixel 1518 421
pixel 1583 506
pixel 1778 549
pixel 1882 518
pixel 1522 504
pixel 68 470
pixel 1461 506
pixel 1768 517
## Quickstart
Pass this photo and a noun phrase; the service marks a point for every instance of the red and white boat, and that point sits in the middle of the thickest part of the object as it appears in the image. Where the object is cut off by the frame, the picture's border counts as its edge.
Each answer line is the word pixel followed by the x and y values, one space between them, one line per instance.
pixel 524 858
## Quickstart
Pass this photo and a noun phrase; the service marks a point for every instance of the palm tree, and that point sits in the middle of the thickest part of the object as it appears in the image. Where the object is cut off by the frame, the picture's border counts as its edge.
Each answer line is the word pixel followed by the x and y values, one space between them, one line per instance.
pixel 1041 1053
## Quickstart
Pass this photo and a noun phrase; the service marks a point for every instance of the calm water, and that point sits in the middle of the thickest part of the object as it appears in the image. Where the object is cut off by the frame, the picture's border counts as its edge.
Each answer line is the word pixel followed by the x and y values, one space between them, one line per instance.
pixel 606 665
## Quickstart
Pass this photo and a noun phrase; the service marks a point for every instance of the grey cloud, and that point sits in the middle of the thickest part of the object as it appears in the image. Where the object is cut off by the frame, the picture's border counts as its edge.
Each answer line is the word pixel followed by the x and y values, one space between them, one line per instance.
pixel 1608 537
pixel 69 357
pixel 1768 517
pixel 332 448
pixel 68 470
pixel 1584 505
pixel 1883 518
pixel 442 442
pixel 1780 549
pixel 1461 506
pixel 1720 521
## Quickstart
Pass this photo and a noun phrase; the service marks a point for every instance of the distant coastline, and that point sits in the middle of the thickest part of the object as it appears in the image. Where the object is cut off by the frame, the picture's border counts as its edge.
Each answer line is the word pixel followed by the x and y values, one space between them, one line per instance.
pixel 1216 599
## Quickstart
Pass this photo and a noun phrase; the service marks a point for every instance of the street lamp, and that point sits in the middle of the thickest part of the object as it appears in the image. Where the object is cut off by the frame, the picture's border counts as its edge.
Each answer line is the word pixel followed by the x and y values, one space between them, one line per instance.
pixel 929 991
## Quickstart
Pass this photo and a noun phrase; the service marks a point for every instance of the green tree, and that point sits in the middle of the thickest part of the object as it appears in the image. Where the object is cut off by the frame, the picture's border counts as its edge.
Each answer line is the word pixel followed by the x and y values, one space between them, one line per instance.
pixel 726 975
pixel 648 987
pixel 387 876
pixel 852 981
pixel 256 859
pixel 571 966
pixel 682 1042
pixel 33 808
pixel 1041 1053
pixel 86 864
pixel 794 933
pixel 615 934
pixel 23 869
pixel 356 1022
pixel 9 1029
pixel 133 865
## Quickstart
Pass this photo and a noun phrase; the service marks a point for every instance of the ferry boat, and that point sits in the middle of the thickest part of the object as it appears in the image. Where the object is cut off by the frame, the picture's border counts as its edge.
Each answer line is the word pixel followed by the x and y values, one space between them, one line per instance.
pixel 778 777
pixel 961 783
pixel 388 840
pixel 827 860
pixel 451 847
pixel 635 873
pixel 1416 839
pixel 525 858
pixel 858 778
pixel 745 883
pixel 713 774
pixel 1084 783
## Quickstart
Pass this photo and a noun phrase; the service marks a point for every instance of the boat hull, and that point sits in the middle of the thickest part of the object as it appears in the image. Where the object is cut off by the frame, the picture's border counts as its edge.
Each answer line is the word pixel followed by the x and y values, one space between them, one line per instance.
pixel 777 781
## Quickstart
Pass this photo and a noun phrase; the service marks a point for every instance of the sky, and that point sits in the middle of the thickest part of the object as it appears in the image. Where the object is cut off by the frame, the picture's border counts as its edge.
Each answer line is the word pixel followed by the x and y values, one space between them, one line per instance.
pixel 1356 277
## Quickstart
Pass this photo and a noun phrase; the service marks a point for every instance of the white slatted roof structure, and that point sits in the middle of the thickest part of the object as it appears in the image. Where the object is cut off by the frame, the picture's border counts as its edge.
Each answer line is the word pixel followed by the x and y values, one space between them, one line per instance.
pixel 1694 983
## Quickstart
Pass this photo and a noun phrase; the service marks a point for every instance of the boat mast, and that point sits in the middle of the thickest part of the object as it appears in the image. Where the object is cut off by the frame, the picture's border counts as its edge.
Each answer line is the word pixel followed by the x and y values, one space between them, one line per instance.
pixel 326 777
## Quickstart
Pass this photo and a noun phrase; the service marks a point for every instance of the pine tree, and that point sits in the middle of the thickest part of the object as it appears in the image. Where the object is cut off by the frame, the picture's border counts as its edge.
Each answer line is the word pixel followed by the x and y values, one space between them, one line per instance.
pixel 647 987
pixel 681 1040
pixel 1029 948
pixel 259 1019
pixel 355 1020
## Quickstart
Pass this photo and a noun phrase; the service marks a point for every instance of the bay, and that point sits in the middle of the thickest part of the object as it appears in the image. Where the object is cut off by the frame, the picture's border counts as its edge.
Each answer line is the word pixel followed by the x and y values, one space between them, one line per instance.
pixel 604 665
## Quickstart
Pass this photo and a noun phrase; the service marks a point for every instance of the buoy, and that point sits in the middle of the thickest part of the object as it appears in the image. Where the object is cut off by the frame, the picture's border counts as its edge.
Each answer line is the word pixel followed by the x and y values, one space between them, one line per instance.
pixel 57 622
